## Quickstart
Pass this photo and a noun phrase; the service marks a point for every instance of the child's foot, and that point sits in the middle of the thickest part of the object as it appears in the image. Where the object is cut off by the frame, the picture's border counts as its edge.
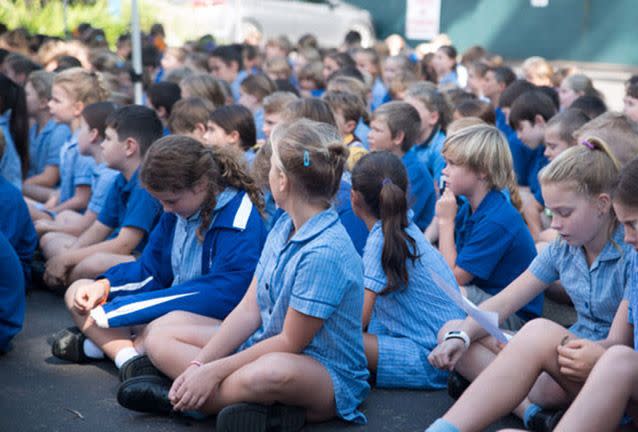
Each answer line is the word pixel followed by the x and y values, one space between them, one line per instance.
pixel 250 417
pixel 147 394
pixel 138 366
pixel 68 344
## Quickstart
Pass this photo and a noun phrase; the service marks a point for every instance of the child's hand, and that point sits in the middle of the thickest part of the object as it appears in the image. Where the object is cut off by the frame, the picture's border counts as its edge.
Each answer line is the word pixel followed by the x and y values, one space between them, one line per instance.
pixel 577 357
pixel 56 271
pixel 447 354
pixel 446 207
pixel 51 202
pixel 193 387
pixel 89 296
pixel 43 226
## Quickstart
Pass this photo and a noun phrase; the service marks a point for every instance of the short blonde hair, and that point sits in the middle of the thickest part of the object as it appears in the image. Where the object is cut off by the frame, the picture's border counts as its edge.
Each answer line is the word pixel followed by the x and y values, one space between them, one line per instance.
pixel 82 85
pixel 484 149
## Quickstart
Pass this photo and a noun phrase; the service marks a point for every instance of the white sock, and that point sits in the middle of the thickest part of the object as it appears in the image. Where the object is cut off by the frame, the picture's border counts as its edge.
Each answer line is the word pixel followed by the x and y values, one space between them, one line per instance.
pixel 124 355
pixel 91 350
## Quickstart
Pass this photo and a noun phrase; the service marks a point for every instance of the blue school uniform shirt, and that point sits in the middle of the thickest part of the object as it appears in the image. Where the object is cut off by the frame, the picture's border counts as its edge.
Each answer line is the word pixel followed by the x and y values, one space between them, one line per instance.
pixel 421 194
pixel 418 310
pixel 12 294
pixel 361 131
pixel 429 153
pixel 102 180
pixel 521 154
pixel 379 93
pixel 10 165
pixel 45 145
pixel 317 272
pixel 258 115
pixel 537 163
pixel 129 205
pixel 187 248
pixel 633 296
pixel 236 84
pixel 495 246
pixel 595 290
pixel 16 225
pixel 75 169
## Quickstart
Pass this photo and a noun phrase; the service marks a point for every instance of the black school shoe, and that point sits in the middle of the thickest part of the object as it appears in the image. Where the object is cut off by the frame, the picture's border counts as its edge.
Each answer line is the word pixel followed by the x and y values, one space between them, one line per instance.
pixel 456 384
pixel 148 394
pixel 250 417
pixel 68 344
pixel 138 366
pixel 545 420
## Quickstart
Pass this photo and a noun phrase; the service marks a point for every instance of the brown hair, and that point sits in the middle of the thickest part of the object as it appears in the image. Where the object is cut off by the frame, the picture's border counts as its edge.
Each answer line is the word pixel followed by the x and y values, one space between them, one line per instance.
pixel 484 149
pixel 82 85
pixel 204 86
pixel 176 163
pixel 567 122
pixel 259 86
pixel 42 81
pixel 617 130
pixel 382 181
pixel 188 113
pixel 309 108
pixel 312 155
pixel 434 101
pixel 401 117
pixel 276 102
pixel 626 190
pixel 350 105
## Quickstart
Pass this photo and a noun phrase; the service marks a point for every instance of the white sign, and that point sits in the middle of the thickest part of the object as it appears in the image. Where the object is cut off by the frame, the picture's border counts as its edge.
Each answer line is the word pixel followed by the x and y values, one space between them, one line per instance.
pixel 422 19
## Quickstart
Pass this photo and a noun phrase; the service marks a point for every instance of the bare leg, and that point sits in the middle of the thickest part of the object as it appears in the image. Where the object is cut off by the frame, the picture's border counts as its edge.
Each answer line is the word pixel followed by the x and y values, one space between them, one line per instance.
pixel 96 264
pixel 37 192
pixel 54 243
pixel 371 347
pixel 508 380
pixel 110 340
pixel 611 386
pixel 279 377
pixel 173 340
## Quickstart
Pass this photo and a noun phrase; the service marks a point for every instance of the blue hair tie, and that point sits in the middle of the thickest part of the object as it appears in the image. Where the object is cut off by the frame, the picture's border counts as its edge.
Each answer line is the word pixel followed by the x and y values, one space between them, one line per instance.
pixel 306 158
pixel 386 181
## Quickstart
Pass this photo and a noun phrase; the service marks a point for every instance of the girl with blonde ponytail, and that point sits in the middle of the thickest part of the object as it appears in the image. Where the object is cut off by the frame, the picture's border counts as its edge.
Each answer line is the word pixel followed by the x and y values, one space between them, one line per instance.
pixel 403 307
pixel 292 350
pixel 593 263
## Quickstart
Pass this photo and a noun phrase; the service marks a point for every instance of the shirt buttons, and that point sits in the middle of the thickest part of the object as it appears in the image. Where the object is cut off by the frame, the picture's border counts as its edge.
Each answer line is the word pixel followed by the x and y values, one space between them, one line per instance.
pixel 267 287
pixel 270 311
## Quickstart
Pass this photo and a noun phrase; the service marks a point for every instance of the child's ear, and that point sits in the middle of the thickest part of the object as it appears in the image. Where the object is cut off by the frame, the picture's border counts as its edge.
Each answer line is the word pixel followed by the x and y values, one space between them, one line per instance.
pixel 94 135
pixel 398 139
pixel 44 105
pixel 200 129
pixel 234 135
pixel 131 147
pixel 350 126
pixel 603 203
pixel 78 107
pixel 539 120
pixel 434 118
pixel 162 113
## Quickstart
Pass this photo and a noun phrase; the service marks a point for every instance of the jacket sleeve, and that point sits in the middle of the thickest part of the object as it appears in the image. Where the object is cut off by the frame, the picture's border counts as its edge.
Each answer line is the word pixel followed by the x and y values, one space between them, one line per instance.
pixel 152 270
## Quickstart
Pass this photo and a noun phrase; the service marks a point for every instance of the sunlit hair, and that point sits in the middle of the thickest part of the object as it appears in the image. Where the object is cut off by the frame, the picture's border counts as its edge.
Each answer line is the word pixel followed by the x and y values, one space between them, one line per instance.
pixel 82 85
pixel 204 86
pixel 485 150
pixel 312 156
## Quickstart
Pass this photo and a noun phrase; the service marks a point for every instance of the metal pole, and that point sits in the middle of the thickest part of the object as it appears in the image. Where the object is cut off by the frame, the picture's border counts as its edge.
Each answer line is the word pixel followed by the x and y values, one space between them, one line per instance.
pixel 67 34
pixel 136 41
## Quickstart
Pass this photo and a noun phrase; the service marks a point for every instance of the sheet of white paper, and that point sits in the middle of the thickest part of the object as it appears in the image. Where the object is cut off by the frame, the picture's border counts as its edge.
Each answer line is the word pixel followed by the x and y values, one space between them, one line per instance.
pixel 487 320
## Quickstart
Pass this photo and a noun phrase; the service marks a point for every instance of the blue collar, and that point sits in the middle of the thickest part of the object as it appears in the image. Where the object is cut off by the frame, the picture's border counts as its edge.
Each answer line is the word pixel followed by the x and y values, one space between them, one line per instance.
pixel 313 227
pixel 132 182
pixel 492 199
pixel 222 200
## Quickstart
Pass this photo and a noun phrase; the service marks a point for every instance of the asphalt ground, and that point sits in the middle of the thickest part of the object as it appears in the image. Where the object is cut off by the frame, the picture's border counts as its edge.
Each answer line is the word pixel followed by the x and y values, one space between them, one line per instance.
pixel 42 393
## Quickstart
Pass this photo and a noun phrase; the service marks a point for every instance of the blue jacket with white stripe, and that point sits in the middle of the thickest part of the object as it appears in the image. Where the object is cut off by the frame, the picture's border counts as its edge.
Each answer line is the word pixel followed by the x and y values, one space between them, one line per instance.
pixel 141 291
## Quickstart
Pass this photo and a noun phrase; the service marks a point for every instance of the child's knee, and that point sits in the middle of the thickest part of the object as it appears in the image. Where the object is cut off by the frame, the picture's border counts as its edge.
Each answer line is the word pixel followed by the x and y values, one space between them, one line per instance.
pixel 268 375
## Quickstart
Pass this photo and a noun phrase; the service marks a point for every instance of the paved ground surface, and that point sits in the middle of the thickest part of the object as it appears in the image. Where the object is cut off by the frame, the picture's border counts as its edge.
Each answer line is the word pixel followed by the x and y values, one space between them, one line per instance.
pixel 41 393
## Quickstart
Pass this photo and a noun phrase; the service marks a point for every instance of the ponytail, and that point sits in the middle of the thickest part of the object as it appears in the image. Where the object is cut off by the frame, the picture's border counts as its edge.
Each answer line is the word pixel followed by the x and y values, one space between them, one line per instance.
pixel 381 179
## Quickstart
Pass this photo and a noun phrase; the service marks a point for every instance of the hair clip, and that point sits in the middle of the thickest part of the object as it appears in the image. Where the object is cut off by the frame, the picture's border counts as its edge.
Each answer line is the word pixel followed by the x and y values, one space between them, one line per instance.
pixel 306 158
pixel 588 144
pixel 386 181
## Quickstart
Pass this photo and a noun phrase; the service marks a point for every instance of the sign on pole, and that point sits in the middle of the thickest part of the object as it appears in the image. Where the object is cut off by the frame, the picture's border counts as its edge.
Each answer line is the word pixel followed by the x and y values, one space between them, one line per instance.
pixel 422 19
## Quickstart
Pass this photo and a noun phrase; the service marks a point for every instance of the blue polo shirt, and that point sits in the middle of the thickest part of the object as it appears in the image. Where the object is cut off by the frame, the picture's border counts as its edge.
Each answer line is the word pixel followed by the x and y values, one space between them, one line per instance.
pixel 129 205
pixel 10 165
pixel 75 169
pixel 429 153
pixel 537 163
pixel 495 246
pixel 12 296
pixel 421 194
pixel 45 145
pixel 521 154
pixel 16 225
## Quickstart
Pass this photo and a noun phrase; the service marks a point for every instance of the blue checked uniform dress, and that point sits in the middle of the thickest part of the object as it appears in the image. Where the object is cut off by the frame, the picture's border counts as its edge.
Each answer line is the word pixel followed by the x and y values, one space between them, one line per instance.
pixel 317 272
pixel 596 291
pixel 45 145
pixel 75 169
pixel 633 298
pixel 406 321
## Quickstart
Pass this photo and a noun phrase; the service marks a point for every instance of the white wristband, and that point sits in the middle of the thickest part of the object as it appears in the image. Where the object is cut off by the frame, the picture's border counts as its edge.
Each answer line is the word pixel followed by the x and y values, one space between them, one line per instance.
pixel 458 334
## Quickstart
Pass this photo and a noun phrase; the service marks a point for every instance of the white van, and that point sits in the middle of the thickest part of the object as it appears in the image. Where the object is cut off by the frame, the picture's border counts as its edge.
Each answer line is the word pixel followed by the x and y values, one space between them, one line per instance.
pixel 233 20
